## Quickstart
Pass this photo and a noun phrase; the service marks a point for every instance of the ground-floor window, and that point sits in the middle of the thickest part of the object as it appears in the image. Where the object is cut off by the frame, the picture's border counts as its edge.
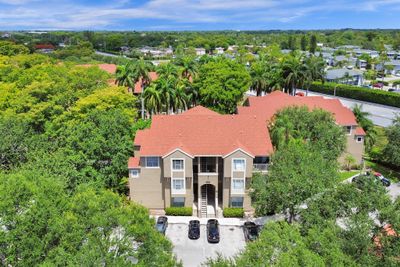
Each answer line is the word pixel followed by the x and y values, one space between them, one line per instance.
pixel 237 202
pixel 178 202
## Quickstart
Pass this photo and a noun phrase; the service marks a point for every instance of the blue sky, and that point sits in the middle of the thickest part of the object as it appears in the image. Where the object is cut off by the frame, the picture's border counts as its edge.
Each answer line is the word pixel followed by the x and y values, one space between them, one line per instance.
pixel 198 14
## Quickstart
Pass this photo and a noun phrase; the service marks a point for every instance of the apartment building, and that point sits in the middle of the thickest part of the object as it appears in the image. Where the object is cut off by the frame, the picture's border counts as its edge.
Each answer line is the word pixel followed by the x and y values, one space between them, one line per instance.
pixel 206 160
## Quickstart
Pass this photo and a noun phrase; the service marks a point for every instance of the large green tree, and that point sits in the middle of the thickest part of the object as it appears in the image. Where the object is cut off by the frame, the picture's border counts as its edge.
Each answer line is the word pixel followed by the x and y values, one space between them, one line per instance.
pixel 222 84
pixel 391 152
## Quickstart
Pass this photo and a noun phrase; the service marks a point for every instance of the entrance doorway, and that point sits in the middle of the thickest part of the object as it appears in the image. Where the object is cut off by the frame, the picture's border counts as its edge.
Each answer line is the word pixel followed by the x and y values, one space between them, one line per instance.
pixel 207 205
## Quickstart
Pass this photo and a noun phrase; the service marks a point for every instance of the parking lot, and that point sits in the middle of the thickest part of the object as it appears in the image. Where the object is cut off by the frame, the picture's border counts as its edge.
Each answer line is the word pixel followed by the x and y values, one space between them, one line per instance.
pixel 195 252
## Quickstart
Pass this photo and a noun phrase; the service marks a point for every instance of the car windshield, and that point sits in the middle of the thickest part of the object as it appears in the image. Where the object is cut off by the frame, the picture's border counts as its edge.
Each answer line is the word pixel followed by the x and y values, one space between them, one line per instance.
pixel 213 229
pixel 253 231
pixel 160 225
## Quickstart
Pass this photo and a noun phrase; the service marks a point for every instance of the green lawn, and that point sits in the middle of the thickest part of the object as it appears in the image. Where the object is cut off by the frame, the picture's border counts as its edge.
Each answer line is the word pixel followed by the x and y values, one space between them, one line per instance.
pixel 346 174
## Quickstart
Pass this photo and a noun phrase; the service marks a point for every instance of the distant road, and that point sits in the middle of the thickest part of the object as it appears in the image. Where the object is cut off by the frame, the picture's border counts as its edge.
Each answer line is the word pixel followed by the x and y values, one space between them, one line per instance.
pixel 105 54
pixel 381 115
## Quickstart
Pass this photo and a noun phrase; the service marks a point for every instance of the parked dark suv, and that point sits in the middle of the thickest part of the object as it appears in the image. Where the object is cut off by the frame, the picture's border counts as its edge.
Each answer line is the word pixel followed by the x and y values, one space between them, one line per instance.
pixel 194 229
pixel 213 231
pixel 161 225
pixel 250 230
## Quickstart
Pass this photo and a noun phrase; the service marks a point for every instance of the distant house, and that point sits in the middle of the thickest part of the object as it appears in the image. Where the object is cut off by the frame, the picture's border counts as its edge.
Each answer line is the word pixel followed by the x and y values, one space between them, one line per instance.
pixel 344 61
pixel 345 76
pixel 371 53
pixel 392 54
pixel 5 35
pixel 219 50
pixel 200 51
pixel 156 52
pixel 232 48
pixel 391 67
pixel 361 64
pixel 44 48
pixel 349 47
pixel 320 44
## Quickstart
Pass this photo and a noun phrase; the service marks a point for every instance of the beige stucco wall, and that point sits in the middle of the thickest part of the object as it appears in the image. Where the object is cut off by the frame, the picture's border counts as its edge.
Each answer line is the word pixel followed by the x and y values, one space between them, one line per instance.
pixel 187 174
pixel 148 188
pixel 238 154
pixel 353 147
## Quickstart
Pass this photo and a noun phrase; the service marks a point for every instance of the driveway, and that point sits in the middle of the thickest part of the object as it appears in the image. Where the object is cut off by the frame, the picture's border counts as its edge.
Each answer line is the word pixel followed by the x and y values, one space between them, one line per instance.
pixel 394 190
pixel 195 252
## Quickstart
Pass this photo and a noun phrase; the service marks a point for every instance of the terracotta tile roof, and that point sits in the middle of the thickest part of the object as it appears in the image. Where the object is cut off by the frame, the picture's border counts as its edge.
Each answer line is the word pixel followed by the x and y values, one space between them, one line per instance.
pixel 267 106
pixel 138 86
pixel 198 133
pixel 360 131
pixel 199 110
pixel 133 162
pixel 110 68
pixel 44 46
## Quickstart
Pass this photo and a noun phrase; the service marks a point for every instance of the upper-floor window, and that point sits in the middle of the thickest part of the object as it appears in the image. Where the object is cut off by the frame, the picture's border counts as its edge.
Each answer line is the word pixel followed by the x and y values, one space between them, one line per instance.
pixel 360 139
pixel 208 164
pixel 177 164
pixel 152 162
pixel 347 129
pixel 239 164
pixel 238 185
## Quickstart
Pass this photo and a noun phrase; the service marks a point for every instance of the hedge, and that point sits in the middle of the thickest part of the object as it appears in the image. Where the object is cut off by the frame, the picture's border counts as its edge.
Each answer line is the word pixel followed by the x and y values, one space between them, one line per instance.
pixel 179 211
pixel 233 212
pixel 359 93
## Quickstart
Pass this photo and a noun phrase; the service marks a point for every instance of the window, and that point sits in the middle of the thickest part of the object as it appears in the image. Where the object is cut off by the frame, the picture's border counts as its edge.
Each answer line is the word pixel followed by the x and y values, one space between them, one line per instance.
pixel 177 164
pixel 178 202
pixel 238 184
pixel 359 139
pixel 178 184
pixel 237 202
pixel 239 165
pixel 133 173
pixel 347 129
pixel 208 164
pixel 152 162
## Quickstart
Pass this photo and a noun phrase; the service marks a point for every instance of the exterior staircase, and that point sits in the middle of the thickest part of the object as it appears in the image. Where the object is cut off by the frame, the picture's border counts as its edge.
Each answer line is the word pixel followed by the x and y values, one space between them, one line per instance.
pixel 203 204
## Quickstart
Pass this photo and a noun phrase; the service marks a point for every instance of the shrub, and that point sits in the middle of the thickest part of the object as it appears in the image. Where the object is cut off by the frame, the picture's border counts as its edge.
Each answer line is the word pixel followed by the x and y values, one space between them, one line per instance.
pixel 233 212
pixel 179 211
pixel 359 93
pixel 385 83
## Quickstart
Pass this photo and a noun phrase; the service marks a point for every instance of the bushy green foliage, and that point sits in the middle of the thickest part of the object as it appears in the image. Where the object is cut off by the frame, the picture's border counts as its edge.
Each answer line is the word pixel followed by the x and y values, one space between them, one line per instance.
pixel 316 127
pixel 233 212
pixel 179 211
pixel 222 84
pixel 359 93
pixel 42 224
pixel 391 152
pixel 12 49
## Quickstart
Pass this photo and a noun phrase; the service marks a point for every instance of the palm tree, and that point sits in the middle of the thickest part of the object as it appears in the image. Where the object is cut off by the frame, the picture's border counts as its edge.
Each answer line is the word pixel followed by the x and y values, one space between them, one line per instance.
pixel 188 67
pixel 293 71
pixel 367 125
pixel 129 74
pixel 180 99
pixel 152 100
pixel 314 70
pixel 259 82
pixel 192 92
pixel 167 70
pixel 166 87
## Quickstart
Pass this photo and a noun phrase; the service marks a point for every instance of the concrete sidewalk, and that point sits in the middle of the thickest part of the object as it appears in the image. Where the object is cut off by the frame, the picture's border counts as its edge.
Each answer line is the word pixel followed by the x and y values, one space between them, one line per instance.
pixel 224 221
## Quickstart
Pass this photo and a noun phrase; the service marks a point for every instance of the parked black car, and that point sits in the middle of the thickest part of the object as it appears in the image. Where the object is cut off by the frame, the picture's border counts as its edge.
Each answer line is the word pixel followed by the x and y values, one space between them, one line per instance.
pixel 250 230
pixel 360 180
pixel 161 225
pixel 213 231
pixel 194 229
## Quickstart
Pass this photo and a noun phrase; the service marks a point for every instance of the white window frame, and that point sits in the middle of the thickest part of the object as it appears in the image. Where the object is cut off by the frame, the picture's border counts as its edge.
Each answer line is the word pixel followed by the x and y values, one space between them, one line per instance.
pixel 235 190
pixel 152 167
pixel 362 139
pixel 172 165
pixel 233 164
pixel 131 175
pixel 178 191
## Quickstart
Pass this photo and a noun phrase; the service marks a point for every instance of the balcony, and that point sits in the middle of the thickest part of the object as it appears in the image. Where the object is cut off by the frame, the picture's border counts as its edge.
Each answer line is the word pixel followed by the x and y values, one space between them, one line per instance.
pixel 260 167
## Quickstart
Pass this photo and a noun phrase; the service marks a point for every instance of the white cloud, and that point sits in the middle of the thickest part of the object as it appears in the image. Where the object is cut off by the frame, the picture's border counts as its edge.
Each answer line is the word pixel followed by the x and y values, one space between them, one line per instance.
pixel 177 13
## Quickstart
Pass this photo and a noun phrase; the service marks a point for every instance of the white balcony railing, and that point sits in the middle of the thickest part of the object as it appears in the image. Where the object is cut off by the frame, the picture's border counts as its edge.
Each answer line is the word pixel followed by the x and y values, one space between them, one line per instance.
pixel 260 167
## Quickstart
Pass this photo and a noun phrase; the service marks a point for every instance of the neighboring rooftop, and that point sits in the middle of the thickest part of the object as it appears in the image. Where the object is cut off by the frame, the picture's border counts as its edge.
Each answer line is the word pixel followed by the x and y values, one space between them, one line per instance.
pixel 334 74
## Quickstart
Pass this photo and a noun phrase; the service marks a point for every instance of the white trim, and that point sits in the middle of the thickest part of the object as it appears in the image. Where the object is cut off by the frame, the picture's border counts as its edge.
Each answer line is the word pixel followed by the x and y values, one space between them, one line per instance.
pixel 233 160
pixel 180 150
pixel 151 167
pixel 173 190
pixel 359 136
pixel 236 191
pixel 238 149
pixel 351 129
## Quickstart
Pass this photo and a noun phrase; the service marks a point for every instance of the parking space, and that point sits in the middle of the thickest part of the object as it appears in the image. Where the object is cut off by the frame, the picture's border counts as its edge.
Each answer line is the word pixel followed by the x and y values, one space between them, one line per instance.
pixel 195 252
